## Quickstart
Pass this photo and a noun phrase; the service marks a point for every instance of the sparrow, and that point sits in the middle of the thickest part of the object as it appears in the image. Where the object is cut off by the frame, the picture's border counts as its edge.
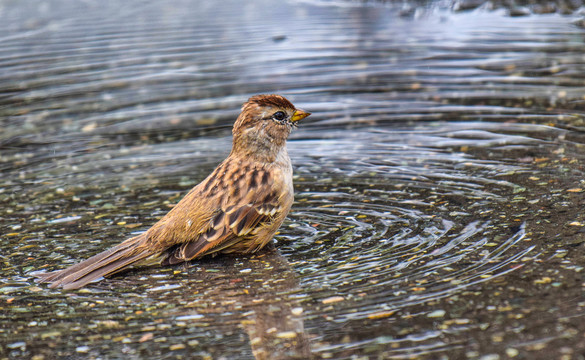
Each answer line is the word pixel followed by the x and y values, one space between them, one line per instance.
pixel 237 209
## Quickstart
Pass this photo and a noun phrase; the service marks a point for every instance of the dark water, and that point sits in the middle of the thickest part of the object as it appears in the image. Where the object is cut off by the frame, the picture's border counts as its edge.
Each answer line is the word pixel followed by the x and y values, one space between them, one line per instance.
pixel 439 183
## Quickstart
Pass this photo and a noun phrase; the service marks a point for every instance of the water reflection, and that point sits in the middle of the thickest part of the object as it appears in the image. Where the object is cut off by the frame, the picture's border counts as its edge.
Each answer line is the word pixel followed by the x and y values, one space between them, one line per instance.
pixel 243 307
pixel 260 296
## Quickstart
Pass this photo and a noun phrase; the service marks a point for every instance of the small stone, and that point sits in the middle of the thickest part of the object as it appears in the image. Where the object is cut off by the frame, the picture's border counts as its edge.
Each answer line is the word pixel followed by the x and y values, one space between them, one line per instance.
pixel 436 314
pixel 146 337
pixel 511 352
pixel 380 315
pixel 332 299
pixel 16 345
pixel 82 349
pixel 286 335
pixel 490 357
pixel 296 311
pixel 544 280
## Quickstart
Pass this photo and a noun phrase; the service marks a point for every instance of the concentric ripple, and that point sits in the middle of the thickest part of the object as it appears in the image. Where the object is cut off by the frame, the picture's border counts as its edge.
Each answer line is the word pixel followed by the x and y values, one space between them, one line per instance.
pixel 400 213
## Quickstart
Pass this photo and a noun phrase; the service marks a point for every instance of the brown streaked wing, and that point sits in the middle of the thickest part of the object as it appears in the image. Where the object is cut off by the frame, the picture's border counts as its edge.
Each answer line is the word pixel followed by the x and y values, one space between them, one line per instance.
pixel 227 227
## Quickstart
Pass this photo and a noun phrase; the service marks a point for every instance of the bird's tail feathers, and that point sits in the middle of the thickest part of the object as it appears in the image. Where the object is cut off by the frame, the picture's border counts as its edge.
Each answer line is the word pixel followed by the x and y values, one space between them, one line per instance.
pixel 103 264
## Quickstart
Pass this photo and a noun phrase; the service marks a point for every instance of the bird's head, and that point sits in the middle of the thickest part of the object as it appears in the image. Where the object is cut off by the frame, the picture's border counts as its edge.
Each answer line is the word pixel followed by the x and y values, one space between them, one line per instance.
pixel 265 123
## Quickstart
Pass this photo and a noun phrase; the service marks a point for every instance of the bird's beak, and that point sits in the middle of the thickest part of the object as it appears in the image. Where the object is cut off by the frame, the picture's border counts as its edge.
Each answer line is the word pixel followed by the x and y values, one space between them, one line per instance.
pixel 299 115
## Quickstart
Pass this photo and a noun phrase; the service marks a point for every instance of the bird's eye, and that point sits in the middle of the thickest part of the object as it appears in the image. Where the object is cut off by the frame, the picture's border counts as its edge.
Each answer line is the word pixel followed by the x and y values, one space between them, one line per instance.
pixel 279 115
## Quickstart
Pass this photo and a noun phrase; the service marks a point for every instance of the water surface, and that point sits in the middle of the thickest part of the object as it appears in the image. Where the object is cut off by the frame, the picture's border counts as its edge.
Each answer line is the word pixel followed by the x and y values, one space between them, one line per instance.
pixel 438 183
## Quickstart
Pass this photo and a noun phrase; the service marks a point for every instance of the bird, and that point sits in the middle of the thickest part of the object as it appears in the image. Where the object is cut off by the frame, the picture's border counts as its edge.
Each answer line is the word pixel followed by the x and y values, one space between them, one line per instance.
pixel 237 209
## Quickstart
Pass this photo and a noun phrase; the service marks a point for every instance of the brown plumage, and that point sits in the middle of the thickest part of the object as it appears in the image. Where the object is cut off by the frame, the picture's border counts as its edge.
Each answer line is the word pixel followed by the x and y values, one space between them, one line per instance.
pixel 236 209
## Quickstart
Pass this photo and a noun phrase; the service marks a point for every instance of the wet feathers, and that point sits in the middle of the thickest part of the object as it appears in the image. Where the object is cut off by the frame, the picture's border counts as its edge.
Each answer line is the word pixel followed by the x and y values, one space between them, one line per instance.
pixel 237 209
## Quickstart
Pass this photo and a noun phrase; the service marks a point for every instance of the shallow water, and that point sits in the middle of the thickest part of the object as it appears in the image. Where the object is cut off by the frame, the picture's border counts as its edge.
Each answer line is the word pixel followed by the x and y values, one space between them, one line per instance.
pixel 438 182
